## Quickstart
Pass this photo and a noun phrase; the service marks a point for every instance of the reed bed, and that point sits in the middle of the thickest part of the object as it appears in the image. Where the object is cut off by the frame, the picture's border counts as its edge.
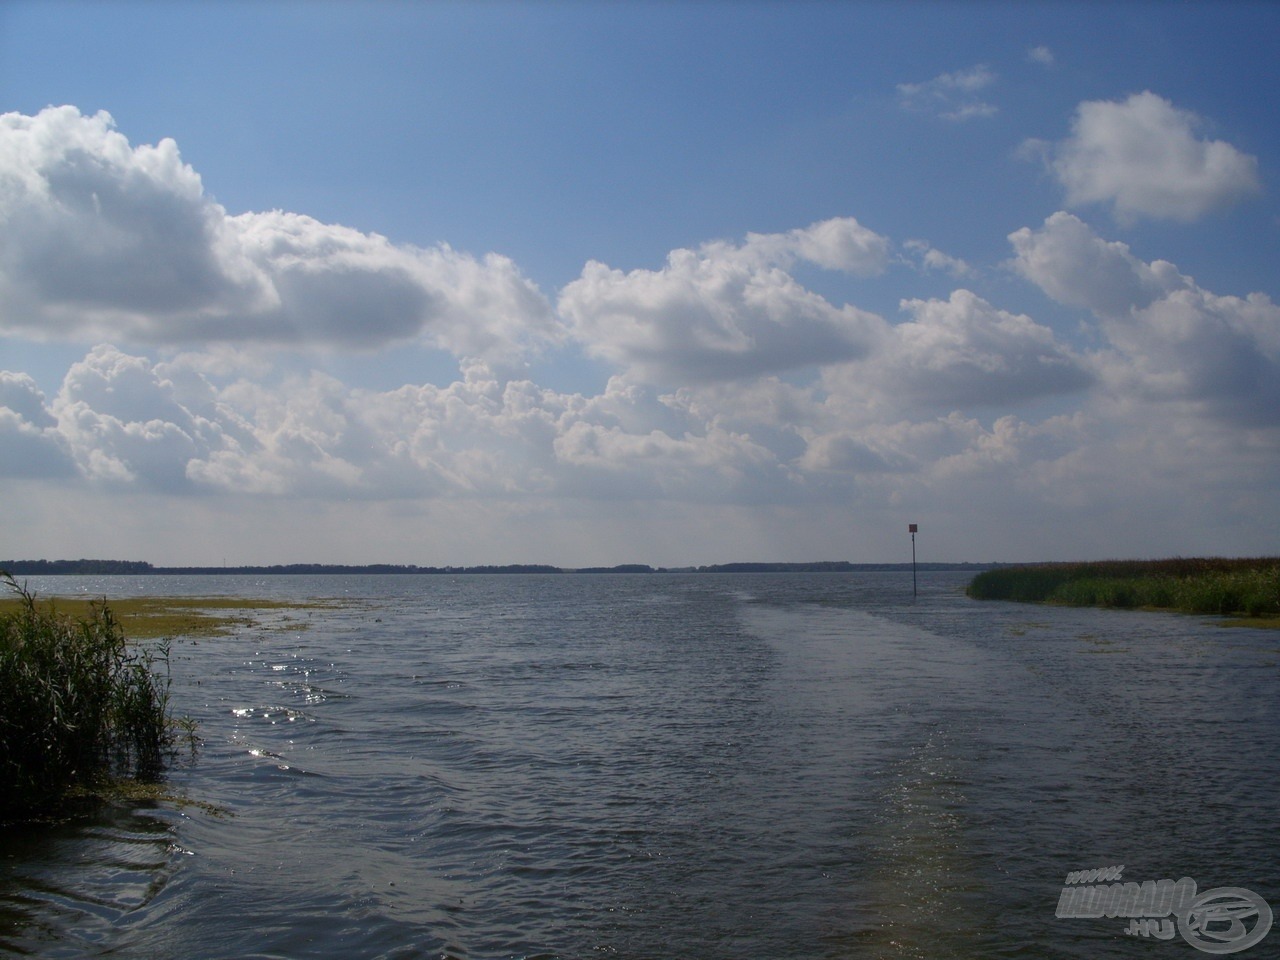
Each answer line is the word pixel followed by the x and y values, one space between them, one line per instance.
pixel 1237 586
pixel 80 707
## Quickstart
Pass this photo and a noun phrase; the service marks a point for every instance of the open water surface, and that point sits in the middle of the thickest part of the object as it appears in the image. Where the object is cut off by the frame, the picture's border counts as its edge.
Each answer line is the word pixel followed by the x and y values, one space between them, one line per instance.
pixel 668 765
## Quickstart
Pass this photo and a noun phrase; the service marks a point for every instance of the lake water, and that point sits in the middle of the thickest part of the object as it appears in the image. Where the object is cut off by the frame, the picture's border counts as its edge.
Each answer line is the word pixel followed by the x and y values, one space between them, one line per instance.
pixel 668 766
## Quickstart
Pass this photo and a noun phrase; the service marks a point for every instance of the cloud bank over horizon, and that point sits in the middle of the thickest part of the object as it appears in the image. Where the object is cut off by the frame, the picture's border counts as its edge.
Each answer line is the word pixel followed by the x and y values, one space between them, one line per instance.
pixel 733 384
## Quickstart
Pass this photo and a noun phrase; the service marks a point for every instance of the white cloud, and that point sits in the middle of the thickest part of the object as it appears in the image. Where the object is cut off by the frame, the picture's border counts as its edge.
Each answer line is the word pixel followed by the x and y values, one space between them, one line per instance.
pixel 934 259
pixel 725 311
pixel 956 355
pixel 106 239
pixel 103 236
pixel 841 243
pixel 1075 266
pixel 20 395
pixel 120 419
pixel 1041 55
pixel 950 456
pixel 130 422
pixel 1171 340
pixel 693 466
pixel 870 435
pixel 1143 156
pixel 30 445
pixel 951 96
pixel 123 422
pixel 854 454
pixel 1220 355
pixel 963 352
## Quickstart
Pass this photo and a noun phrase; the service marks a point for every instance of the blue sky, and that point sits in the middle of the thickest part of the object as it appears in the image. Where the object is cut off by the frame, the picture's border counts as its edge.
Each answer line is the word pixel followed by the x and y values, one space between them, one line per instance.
pixel 638 282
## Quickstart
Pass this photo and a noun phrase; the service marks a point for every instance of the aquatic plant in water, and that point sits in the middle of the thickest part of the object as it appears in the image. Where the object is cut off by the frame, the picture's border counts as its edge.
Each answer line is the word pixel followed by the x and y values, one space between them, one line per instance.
pixel 1249 586
pixel 80 706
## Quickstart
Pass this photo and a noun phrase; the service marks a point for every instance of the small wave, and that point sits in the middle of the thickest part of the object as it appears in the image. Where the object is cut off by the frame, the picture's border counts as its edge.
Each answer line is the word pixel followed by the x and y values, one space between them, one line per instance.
pixel 67 887
pixel 272 714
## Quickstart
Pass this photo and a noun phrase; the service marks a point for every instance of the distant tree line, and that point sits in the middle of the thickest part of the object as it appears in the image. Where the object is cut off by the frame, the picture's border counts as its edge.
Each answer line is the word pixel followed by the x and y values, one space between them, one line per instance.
pixel 834 566
pixel 38 568
pixel 35 568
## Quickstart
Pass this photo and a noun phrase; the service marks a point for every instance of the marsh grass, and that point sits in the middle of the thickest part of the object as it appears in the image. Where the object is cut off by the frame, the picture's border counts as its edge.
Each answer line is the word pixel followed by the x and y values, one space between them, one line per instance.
pixel 1244 587
pixel 80 706
pixel 146 618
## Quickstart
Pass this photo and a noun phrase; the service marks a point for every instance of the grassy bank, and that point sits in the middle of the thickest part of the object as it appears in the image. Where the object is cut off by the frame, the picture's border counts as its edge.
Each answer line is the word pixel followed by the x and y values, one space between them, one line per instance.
pixel 80 706
pixel 1245 587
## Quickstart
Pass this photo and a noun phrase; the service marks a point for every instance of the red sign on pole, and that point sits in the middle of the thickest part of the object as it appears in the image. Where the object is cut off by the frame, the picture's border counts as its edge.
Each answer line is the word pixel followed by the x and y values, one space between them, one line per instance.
pixel 911 528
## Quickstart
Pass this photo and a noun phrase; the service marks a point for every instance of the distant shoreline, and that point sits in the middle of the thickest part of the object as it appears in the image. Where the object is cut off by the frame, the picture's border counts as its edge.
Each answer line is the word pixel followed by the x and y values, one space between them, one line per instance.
pixel 46 568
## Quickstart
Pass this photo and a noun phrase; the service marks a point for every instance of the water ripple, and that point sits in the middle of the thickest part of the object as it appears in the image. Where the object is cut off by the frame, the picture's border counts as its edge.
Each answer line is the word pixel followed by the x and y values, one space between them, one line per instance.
pixel 641 767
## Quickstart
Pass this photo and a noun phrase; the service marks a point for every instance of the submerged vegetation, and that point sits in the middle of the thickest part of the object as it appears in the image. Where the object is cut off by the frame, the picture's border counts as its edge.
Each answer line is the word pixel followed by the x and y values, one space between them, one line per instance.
pixel 150 617
pixel 1248 587
pixel 81 706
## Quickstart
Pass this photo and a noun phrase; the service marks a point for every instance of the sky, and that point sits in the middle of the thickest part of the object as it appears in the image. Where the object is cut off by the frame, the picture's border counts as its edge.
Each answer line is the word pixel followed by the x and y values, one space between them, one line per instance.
pixel 669 283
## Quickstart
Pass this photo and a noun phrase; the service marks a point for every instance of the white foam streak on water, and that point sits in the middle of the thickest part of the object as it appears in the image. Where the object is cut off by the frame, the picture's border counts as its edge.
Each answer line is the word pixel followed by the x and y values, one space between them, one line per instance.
pixel 657 766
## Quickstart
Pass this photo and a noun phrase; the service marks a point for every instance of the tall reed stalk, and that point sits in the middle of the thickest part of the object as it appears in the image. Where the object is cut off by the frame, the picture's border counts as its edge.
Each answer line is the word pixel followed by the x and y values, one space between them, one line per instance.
pixel 80 706
pixel 1248 586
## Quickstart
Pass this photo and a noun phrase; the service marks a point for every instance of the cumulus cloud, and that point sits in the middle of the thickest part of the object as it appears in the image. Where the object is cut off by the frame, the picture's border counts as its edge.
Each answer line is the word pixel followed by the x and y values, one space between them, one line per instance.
pixel 106 239
pixel 122 424
pixel 708 404
pixel 713 324
pixel 692 466
pixel 1171 339
pixel 1075 266
pixel 958 354
pixel 951 96
pixel 30 445
pixel 964 352
pixel 946 452
pixel 125 421
pixel 858 454
pixel 1218 353
pixel 1144 157
pixel 20 395
pixel 869 434
pixel 726 311
pixel 841 243
pixel 303 437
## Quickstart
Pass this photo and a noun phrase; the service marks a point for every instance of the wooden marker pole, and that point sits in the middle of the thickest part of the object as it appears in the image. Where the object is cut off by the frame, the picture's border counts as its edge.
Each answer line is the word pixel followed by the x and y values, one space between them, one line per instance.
pixel 913 527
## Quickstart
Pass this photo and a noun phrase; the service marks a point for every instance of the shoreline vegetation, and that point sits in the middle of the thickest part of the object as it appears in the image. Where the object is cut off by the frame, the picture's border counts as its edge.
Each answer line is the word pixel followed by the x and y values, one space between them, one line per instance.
pixel 153 617
pixel 44 568
pixel 1246 588
pixel 84 711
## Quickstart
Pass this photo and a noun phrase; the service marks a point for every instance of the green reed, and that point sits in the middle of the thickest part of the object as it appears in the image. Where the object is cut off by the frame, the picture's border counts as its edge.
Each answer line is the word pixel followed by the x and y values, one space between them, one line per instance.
pixel 80 706
pixel 1222 586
